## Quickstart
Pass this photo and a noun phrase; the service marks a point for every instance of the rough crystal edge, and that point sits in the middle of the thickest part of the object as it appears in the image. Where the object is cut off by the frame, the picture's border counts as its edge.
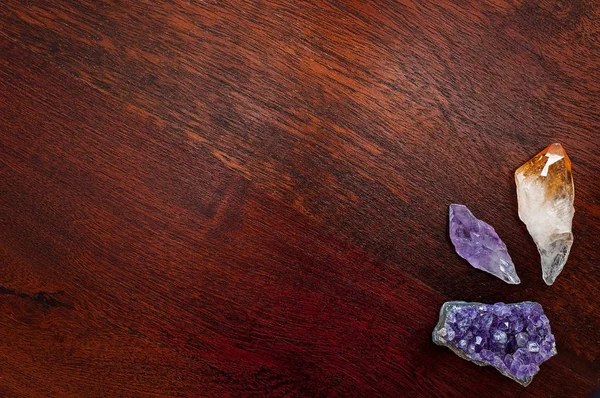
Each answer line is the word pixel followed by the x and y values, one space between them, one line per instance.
pixel 548 276
pixel 447 306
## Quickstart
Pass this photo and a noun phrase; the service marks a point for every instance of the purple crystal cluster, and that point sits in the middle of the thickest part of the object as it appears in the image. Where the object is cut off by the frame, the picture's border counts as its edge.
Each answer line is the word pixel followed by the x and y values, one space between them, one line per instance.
pixel 479 244
pixel 514 338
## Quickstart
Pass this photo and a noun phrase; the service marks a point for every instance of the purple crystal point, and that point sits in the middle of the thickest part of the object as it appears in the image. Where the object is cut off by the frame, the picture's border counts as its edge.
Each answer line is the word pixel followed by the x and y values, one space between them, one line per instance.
pixel 513 338
pixel 479 244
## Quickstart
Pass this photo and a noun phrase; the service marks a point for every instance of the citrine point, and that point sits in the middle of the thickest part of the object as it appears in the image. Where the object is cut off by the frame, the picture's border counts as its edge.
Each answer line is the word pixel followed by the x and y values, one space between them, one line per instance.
pixel 545 193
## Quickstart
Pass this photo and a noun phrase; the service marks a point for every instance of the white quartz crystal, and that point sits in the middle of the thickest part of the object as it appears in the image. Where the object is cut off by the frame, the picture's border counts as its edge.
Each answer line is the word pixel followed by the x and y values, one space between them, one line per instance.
pixel 545 194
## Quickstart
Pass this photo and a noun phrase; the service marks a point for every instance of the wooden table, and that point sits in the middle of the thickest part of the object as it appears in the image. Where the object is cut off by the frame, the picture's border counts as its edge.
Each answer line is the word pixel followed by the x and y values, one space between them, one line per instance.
pixel 249 198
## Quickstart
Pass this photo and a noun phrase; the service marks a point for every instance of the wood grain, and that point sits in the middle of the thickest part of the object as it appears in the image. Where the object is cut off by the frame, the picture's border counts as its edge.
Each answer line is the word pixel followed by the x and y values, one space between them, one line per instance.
pixel 249 198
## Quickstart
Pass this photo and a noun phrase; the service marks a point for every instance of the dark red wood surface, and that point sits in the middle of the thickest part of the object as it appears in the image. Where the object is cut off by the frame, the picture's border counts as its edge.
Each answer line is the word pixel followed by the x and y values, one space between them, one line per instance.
pixel 249 198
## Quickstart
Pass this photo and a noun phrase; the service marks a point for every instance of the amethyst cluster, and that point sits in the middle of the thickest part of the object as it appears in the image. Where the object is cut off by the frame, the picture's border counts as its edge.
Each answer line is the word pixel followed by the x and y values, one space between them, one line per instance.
pixel 514 338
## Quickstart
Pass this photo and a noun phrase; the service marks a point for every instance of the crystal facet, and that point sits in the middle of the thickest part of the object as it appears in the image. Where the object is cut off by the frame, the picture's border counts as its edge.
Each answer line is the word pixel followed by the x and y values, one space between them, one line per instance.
pixel 545 194
pixel 466 329
pixel 479 244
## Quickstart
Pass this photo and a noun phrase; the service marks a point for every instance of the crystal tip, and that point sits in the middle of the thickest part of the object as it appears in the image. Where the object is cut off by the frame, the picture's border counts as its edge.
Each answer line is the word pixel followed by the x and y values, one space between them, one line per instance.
pixel 556 149
pixel 512 279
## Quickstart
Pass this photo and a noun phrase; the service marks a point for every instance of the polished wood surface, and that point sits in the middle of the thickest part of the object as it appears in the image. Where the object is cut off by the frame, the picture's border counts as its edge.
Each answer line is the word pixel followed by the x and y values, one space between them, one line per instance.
pixel 249 198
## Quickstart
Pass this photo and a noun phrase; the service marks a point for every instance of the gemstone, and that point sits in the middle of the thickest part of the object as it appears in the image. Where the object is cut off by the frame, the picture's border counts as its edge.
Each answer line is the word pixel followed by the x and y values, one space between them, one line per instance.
pixel 499 337
pixel 545 194
pixel 515 354
pixel 479 244
pixel 521 339
pixel 450 335
pixel 517 325
pixel 532 346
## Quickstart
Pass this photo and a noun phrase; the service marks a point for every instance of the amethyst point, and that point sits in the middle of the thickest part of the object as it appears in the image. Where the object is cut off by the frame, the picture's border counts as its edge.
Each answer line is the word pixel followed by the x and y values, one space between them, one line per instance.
pixel 466 329
pixel 479 244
